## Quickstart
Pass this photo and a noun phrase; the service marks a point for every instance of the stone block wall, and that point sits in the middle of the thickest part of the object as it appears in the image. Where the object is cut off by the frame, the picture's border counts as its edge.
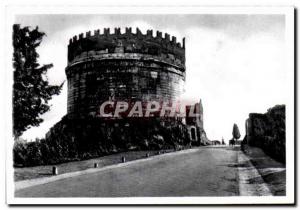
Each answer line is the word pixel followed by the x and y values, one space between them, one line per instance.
pixel 267 131
pixel 129 66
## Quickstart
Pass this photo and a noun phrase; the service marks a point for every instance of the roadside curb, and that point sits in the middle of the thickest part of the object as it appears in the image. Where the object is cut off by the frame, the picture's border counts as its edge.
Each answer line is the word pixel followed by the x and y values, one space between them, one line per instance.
pixel 250 181
pixel 39 181
pixel 272 171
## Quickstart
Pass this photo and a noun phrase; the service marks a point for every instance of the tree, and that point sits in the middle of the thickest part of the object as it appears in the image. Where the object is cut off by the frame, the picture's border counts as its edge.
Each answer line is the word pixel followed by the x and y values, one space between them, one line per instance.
pixel 223 142
pixel 31 89
pixel 235 132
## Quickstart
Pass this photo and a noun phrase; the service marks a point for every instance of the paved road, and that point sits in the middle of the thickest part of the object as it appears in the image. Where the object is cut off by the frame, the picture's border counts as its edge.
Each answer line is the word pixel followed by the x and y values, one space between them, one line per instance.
pixel 205 172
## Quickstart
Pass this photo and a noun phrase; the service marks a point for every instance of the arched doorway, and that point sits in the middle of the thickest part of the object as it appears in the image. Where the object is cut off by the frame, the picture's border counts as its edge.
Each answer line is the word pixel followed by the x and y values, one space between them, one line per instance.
pixel 193 133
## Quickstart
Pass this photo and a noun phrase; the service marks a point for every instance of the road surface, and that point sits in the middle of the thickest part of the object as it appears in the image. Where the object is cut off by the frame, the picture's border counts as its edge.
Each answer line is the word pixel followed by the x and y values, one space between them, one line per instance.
pixel 208 171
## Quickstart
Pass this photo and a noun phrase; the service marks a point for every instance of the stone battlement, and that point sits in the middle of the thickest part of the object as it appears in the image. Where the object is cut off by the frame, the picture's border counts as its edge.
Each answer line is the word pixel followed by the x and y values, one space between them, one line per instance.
pixel 139 34
pixel 128 42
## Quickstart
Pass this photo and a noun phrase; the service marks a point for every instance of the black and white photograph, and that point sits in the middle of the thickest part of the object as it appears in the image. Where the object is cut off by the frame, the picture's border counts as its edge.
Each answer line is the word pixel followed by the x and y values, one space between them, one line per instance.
pixel 150 105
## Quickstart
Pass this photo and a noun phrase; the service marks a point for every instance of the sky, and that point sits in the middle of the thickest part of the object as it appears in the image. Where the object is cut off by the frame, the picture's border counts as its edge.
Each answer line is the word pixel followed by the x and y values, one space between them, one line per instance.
pixel 234 63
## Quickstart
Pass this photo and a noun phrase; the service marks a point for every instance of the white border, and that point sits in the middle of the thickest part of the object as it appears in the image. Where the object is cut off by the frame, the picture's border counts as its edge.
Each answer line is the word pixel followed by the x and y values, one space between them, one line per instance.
pixel 13 10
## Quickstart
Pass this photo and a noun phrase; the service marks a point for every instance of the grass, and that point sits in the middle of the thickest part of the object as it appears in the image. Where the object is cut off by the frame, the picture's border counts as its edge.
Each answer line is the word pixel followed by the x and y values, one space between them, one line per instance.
pixel 46 170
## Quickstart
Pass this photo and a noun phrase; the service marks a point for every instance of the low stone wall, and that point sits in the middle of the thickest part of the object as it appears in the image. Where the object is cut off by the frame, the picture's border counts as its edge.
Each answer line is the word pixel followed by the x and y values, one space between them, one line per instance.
pixel 267 131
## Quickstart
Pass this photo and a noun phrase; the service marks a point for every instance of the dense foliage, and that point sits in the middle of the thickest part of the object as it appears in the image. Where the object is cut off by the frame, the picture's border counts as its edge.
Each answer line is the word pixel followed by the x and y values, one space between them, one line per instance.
pixel 31 90
pixel 236 132
pixel 96 138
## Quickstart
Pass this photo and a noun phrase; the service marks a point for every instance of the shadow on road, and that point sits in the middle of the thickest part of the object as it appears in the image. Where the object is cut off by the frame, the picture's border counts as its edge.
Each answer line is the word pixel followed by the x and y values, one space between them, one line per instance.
pixel 238 165
pixel 256 180
pixel 45 174
pixel 233 148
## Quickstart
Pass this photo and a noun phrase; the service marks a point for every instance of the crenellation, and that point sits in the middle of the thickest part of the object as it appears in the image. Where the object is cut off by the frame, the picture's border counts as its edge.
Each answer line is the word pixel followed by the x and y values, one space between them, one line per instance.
pixel 128 31
pixel 74 38
pixel 167 37
pixel 138 33
pixel 123 42
pixel 106 31
pixel 88 34
pixel 174 40
pixel 149 33
pixel 97 32
pixel 117 31
pixel 159 34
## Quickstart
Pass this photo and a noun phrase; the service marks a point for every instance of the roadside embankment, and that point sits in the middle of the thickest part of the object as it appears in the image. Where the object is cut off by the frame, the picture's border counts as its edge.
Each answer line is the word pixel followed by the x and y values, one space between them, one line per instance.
pixel 272 171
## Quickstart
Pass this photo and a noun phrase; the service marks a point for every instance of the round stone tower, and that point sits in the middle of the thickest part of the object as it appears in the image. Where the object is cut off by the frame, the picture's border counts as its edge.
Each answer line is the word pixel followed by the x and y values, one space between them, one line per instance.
pixel 129 66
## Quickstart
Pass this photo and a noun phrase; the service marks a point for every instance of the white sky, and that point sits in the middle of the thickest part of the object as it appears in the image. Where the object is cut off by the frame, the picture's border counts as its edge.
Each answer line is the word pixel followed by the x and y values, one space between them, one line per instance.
pixel 234 63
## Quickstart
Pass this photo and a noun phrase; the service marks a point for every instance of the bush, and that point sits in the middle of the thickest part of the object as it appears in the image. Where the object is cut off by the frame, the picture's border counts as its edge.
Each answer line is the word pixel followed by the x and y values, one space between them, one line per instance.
pixel 83 139
pixel 19 153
